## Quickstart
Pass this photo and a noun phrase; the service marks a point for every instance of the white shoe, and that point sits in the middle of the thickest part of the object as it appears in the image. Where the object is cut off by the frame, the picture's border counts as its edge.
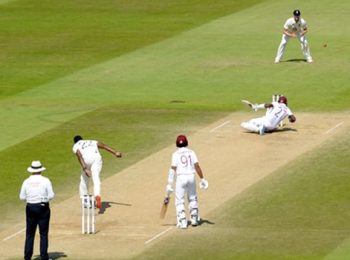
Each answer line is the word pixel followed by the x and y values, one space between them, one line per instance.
pixel 182 224
pixel 262 130
pixel 277 61
pixel 194 221
pixel 310 60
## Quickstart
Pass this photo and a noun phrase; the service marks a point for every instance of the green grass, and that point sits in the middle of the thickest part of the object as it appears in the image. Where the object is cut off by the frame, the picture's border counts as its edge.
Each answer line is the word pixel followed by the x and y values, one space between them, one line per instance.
pixel 46 40
pixel 298 212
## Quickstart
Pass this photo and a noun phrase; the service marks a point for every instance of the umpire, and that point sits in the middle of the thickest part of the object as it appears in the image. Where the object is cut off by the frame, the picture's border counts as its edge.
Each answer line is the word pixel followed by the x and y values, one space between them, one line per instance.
pixel 37 192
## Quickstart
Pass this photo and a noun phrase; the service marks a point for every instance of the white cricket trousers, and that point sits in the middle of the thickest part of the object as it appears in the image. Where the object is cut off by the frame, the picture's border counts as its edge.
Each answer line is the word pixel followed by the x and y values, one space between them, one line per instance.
pixel 254 124
pixel 95 168
pixel 185 183
pixel 303 43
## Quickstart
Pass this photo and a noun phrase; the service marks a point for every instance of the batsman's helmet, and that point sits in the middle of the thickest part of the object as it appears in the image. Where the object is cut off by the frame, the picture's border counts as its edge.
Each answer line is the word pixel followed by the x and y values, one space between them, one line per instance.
pixel 296 12
pixel 282 99
pixel 181 141
pixel 77 138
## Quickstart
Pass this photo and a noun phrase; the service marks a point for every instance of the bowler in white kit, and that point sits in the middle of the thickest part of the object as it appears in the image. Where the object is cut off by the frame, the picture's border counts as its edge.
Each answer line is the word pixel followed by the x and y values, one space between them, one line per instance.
pixel 184 164
pixel 277 111
pixel 294 27
pixel 90 160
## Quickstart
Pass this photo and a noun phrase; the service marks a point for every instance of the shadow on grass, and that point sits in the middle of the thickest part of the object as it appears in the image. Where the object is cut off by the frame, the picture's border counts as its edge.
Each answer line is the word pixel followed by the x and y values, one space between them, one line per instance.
pixel 295 60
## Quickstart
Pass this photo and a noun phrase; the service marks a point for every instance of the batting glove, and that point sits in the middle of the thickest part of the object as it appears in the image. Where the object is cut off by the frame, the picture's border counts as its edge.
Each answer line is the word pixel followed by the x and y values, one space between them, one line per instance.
pixel 255 107
pixel 168 190
pixel 166 201
pixel 203 184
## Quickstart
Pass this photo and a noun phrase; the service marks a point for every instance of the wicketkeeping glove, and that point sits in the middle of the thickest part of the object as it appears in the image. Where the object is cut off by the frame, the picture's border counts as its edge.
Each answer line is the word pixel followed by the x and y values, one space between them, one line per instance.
pixel 203 184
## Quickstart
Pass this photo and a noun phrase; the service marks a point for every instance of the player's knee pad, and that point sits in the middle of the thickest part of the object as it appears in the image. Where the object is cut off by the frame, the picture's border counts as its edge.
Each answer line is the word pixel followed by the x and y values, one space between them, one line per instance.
pixel 194 212
pixel 180 208
pixel 181 214
pixel 193 202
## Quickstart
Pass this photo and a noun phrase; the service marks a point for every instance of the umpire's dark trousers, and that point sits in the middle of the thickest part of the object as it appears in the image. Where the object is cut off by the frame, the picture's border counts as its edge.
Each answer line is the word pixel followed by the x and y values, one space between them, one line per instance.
pixel 37 214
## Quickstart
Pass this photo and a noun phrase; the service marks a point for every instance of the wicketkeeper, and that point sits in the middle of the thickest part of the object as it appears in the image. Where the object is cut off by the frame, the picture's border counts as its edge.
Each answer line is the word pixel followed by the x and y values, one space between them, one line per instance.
pixel 276 112
pixel 184 164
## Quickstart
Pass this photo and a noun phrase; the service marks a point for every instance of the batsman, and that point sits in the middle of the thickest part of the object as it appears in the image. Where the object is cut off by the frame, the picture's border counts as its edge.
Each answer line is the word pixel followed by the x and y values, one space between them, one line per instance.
pixel 276 112
pixel 184 164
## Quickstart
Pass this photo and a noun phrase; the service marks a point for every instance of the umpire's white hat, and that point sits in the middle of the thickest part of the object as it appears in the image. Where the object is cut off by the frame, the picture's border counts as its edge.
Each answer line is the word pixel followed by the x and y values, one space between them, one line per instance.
pixel 36 167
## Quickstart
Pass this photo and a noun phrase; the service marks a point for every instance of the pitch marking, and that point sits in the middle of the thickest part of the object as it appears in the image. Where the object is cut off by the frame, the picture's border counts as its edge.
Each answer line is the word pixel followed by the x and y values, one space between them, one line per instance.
pixel 216 128
pixel 13 235
pixel 158 235
pixel 333 128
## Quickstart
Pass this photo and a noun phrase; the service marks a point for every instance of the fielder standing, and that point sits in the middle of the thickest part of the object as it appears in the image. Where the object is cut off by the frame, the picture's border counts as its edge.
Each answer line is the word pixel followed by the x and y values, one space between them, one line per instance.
pixel 294 27
pixel 90 159
pixel 276 112
pixel 184 164
pixel 37 192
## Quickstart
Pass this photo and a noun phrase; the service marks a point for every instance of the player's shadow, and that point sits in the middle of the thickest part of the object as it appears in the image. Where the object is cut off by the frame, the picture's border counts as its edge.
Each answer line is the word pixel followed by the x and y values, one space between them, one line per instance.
pixel 286 129
pixel 107 204
pixel 53 255
pixel 201 222
pixel 295 60
pixel 205 222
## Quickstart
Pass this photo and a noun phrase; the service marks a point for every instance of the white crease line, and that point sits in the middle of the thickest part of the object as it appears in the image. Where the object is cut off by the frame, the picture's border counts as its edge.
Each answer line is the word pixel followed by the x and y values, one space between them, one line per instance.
pixel 333 128
pixel 156 236
pixel 214 129
pixel 13 235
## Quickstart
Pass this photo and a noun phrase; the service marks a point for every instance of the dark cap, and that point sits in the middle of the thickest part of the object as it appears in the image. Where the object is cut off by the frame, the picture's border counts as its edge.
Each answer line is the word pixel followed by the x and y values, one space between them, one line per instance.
pixel 296 12
pixel 77 138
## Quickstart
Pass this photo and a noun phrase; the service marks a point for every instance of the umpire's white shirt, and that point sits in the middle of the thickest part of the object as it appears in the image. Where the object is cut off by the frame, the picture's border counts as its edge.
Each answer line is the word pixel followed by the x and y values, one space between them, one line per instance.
pixel 184 159
pixel 36 189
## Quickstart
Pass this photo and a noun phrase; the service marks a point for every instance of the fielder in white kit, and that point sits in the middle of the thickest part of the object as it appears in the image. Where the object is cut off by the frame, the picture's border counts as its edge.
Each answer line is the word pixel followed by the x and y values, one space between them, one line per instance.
pixel 184 164
pixel 294 27
pixel 89 157
pixel 277 111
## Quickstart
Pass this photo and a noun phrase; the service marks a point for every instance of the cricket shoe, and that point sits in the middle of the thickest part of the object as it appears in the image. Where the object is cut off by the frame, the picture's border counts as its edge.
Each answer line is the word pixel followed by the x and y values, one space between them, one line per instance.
pixel 262 130
pixel 98 202
pixel 182 224
pixel 194 221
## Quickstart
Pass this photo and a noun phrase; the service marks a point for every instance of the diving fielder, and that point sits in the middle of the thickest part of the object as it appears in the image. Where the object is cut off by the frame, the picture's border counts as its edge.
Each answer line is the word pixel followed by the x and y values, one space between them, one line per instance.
pixel 294 27
pixel 184 164
pixel 276 112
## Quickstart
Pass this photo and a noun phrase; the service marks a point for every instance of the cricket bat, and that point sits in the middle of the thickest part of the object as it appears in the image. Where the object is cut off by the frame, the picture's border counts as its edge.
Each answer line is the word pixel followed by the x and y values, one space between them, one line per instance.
pixel 247 102
pixel 164 208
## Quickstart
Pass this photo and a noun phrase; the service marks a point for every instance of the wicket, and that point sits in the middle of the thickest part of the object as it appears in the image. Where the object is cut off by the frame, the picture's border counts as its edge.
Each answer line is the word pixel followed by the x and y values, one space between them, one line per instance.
pixel 88 214
pixel 275 97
